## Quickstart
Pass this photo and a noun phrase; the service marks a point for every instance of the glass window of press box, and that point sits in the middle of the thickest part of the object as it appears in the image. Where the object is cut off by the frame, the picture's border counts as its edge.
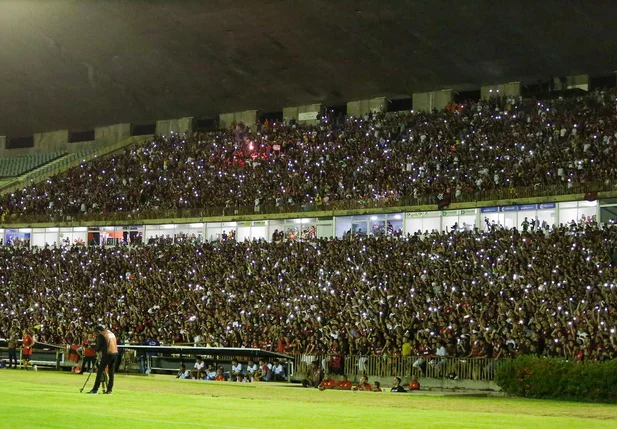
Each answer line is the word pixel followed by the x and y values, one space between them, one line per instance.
pixel 514 216
pixel 221 231
pixel 115 235
pixel 461 220
pixel 252 230
pixel 377 225
pixel 576 211
pixel 293 229
pixel 175 232
pixel 422 222
pixel 17 236
pixel 59 237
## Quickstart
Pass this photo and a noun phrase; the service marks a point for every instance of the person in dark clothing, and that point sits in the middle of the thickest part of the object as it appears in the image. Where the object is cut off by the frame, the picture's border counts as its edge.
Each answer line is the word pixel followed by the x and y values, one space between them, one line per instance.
pixel 107 346
pixel 12 351
pixel 396 385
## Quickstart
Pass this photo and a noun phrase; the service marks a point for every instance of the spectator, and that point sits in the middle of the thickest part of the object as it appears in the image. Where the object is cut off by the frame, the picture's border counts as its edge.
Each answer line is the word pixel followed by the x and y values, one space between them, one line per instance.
pixel 486 149
pixel 210 372
pixel 344 384
pixel 278 372
pixel 199 368
pixel 363 385
pixel 236 373
pixel 264 371
pixel 496 293
pixel 414 384
pixel 12 346
pixel 220 376
pixel 251 369
pixel 313 377
pixel 327 383
pixel 396 385
pixel 183 372
pixel 89 352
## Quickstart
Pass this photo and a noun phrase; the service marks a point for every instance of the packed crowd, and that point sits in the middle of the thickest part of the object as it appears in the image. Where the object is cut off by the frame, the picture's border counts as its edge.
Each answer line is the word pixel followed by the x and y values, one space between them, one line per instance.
pixel 466 293
pixel 462 151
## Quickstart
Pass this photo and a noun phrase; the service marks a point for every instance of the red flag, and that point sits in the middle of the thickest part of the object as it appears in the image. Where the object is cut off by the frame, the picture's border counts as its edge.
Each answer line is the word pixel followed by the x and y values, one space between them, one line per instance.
pixel 591 196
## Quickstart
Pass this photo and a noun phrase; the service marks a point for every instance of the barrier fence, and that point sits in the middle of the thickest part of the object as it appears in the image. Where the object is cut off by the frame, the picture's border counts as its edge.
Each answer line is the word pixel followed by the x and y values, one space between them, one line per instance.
pixel 397 366
pixel 45 357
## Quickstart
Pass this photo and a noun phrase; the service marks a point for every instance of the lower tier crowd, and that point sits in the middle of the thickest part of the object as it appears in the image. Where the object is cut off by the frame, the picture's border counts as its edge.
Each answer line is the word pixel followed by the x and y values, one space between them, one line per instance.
pixel 461 294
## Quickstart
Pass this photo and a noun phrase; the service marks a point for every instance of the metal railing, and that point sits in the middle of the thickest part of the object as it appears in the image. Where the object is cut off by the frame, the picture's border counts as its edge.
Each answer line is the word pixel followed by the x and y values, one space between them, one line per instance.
pixel 356 366
pixel 40 357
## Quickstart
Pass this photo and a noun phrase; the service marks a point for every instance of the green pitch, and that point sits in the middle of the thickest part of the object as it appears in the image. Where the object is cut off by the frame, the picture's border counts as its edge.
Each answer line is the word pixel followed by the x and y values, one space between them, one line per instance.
pixel 52 400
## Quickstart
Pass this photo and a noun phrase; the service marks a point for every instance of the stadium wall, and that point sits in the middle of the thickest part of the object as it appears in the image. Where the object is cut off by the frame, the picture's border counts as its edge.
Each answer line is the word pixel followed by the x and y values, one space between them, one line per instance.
pixel 60 141
pixel 511 89
pixel 308 114
pixel 247 117
pixel 434 100
pixel 362 107
pixel 169 126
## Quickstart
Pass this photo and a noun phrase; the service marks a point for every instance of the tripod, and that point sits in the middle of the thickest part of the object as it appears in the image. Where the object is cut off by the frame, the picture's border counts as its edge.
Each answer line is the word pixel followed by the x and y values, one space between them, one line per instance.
pixel 103 381
pixel 87 379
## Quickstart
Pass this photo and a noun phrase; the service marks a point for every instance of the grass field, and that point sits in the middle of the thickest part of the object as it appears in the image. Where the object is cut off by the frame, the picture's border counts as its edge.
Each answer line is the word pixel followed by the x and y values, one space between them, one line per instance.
pixel 52 400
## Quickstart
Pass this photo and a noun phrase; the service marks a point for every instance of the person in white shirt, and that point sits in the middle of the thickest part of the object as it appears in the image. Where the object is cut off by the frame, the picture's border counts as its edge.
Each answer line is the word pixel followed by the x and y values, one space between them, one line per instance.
pixel 441 353
pixel 236 371
pixel 198 368
pixel 278 372
pixel 251 368
pixel 183 372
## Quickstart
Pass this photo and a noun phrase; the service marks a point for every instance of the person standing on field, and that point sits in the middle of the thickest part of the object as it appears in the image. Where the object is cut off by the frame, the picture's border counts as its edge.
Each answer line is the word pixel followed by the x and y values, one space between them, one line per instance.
pixel 107 346
pixel 27 344
pixel 89 354
pixel 12 343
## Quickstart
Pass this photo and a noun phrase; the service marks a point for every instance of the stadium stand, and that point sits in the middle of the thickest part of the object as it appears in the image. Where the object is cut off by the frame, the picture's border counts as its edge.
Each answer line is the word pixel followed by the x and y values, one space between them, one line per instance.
pixel 505 147
pixel 12 167
pixel 467 294
pixel 432 303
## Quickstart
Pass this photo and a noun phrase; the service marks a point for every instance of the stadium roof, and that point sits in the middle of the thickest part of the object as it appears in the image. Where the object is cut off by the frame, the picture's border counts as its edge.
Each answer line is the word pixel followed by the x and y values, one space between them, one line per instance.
pixel 68 64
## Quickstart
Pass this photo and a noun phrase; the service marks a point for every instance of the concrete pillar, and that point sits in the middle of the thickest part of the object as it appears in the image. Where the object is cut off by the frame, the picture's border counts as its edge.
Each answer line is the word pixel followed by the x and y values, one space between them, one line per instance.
pixel 112 133
pixel 307 114
pixel 510 89
pixel 181 125
pixel 434 100
pixel 362 107
pixel 52 141
pixel 247 117
pixel 580 81
pixel 227 119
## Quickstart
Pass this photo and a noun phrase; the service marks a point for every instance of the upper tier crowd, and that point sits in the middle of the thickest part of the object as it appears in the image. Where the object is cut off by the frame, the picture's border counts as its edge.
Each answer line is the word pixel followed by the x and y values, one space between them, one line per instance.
pixel 464 293
pixel 464 151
